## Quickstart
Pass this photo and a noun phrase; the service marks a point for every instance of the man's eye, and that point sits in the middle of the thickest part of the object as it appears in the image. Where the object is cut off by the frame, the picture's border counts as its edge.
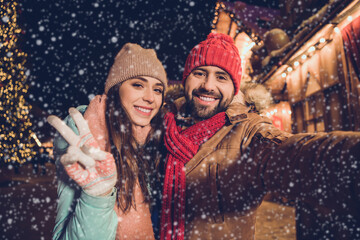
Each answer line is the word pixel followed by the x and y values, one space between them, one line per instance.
pixel 222 78
pixel 199 74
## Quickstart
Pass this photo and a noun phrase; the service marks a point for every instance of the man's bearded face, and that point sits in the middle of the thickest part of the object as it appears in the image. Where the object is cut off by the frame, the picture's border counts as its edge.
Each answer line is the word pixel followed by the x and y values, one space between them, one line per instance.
pixel 208 91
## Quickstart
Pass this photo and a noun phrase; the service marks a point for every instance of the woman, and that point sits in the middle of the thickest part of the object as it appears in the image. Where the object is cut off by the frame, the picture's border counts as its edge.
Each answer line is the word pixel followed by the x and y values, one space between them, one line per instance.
pixel 117 145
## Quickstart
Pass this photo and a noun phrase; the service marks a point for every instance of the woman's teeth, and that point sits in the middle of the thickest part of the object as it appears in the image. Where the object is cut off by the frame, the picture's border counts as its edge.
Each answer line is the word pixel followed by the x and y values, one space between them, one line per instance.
pixel 143 109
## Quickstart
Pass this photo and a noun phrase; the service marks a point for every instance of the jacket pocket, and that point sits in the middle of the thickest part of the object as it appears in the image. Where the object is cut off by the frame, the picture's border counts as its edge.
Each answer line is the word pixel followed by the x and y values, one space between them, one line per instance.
pixel 215 194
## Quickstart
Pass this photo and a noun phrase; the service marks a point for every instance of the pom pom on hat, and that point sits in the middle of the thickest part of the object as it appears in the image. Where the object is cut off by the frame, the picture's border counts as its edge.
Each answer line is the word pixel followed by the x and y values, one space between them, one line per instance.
pixel 217 50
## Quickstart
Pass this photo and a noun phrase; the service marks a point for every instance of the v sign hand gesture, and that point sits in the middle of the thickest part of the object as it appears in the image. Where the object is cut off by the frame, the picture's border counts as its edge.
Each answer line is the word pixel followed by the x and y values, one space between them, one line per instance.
pixel 93 169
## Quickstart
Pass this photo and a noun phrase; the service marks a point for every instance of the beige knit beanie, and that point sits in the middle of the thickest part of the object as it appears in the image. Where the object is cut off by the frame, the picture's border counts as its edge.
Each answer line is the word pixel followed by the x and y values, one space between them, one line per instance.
pixel 133 61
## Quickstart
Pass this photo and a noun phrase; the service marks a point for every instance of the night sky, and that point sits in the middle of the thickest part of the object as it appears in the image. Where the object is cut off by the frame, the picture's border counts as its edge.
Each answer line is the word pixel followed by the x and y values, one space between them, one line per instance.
pixel 71 45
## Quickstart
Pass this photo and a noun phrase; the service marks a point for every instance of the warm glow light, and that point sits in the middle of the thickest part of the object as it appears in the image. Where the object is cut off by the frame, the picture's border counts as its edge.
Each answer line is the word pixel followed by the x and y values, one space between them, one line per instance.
pixel 33 135
pixel 289 112
pixel 272 112
pixel 275 111
pixel 248 48
pixel 283 111
pixel 283 75
pixel 349 18
pixel 15 144
pixel 311 49
pixel 296 64
pixel 303 57
pixel 337 30
pixel 322 40
pixel 289 69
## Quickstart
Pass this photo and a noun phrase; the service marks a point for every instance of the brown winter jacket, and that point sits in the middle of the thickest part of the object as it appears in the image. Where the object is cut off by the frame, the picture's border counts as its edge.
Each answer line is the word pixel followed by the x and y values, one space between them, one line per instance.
pixel 229 176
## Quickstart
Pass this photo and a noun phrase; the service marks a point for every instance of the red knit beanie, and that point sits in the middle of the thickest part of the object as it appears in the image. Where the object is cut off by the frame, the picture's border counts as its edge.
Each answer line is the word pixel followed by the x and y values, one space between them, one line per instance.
pixel 217 50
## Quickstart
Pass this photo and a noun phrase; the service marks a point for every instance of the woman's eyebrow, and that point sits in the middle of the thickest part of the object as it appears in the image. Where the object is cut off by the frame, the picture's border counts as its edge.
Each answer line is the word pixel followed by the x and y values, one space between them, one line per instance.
pixel 142 79
pixel 159 84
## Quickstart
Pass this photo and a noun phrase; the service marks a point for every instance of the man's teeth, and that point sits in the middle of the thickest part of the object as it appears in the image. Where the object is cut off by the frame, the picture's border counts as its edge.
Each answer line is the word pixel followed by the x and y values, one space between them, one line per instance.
pixel 207 99
pixel 143 109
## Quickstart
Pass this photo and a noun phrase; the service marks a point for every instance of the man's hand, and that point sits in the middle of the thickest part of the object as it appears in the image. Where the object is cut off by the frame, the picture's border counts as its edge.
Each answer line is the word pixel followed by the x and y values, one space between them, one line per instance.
pixel 93 169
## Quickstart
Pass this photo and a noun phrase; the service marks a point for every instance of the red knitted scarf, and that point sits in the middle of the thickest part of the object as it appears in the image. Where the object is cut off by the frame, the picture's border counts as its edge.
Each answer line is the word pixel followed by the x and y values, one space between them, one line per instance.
pixel 181 146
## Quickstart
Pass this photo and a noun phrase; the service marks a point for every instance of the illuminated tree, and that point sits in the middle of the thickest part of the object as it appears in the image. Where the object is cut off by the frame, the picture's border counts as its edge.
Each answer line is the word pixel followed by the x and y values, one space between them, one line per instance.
pixel 15 126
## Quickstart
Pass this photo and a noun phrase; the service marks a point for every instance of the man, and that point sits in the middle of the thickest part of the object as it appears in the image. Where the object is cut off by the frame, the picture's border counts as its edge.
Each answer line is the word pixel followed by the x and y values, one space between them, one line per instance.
pixel 222 159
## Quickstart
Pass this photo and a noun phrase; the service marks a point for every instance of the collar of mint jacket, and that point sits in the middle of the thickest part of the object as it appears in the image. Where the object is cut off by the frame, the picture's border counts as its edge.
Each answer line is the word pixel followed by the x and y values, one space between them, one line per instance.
pixel 75 206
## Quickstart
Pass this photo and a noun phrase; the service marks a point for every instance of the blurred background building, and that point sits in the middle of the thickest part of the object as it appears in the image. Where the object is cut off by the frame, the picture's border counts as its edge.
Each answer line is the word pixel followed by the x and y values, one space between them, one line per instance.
pixel 301 68
pixel 306 53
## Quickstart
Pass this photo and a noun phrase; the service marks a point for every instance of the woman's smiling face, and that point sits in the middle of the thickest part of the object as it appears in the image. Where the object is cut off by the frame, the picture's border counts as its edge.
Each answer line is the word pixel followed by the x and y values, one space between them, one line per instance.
pixel 141 98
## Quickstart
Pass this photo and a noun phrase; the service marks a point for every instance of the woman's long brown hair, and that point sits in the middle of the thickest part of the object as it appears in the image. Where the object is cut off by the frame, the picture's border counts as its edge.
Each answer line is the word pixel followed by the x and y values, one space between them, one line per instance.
pixel 134 162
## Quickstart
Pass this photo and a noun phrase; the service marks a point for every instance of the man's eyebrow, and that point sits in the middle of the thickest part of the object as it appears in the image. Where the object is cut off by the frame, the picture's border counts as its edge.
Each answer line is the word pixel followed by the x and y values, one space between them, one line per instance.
pixel 200 68
pixel 222 72
pixel 217 72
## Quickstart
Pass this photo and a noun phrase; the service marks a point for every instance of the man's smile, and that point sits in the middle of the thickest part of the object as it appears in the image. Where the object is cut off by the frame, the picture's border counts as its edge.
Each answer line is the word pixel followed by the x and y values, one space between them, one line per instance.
pixel 205 99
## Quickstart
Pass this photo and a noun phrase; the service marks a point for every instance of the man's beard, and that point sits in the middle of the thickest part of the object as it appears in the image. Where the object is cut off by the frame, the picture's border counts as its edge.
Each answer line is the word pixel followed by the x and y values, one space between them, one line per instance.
pixel 204 112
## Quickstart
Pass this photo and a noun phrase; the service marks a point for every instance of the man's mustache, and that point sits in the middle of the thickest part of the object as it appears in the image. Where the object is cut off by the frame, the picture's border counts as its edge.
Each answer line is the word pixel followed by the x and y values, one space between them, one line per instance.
pixel 200 91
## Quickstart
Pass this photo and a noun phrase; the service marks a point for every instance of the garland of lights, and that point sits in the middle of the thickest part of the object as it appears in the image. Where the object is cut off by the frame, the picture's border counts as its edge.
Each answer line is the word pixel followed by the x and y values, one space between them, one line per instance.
pixel 220 7
pixel 292 65
pixel 15 132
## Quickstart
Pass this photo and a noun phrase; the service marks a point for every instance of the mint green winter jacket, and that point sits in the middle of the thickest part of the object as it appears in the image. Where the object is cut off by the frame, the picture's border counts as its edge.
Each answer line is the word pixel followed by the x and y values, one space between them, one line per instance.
pixel 79 215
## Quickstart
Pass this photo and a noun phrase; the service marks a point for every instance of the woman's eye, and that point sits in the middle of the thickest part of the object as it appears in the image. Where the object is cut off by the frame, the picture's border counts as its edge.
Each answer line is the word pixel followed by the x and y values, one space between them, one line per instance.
pixel 137 85
pixel 158 90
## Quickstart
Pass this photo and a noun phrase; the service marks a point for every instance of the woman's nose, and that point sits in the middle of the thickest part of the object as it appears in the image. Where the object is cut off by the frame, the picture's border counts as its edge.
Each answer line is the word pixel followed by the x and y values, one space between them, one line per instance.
pixel 148 95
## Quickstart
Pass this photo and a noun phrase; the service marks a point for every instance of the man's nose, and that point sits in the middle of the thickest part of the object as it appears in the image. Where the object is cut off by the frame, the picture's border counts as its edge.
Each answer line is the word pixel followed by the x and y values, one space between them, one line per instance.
pixel 210 83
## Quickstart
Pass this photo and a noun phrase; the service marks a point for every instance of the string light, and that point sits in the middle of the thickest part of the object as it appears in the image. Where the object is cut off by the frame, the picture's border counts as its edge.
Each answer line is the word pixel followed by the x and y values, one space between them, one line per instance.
pixel 306 54
pixel 15 132
pixel 312 49
pixel 220 6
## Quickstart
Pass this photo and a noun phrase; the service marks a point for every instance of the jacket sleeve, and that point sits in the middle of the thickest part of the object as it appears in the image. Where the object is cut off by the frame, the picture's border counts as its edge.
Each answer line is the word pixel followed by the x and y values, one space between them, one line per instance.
pixel 79 215
pixel 318 168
